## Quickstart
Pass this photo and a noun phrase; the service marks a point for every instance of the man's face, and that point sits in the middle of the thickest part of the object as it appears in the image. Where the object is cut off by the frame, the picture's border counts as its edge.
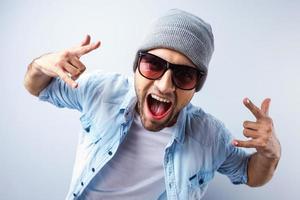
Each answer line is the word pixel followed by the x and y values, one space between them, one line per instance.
pixel 159 101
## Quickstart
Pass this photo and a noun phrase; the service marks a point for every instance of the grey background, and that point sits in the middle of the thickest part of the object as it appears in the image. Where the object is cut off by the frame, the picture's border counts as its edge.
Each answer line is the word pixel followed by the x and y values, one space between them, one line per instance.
pixel 257 55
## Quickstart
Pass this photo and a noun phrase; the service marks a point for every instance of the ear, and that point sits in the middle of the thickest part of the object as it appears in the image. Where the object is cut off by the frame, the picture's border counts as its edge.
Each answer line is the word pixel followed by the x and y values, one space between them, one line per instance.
pixel 202 80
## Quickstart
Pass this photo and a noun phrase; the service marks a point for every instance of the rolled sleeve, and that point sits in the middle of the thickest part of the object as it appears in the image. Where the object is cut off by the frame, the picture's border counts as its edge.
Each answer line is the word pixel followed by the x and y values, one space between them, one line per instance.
pixel 91 90
pixel 61 95
pixel 235 164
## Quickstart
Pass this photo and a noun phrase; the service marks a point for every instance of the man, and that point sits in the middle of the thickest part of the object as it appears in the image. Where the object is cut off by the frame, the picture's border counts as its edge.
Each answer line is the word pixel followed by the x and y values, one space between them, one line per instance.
pixel 144 140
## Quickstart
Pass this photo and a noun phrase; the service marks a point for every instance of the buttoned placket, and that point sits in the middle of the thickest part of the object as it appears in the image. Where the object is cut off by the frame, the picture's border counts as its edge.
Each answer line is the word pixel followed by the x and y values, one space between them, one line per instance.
pixel 93 170
pixel 169 173
pixel 127 119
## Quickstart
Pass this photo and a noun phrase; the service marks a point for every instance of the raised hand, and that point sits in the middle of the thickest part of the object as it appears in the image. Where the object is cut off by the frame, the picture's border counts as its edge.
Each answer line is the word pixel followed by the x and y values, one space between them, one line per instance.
pixel 261 132
pixel 66 64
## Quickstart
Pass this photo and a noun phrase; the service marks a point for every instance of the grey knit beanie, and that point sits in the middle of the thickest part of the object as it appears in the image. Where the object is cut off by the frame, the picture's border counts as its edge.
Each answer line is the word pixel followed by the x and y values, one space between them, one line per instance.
pixel 183 32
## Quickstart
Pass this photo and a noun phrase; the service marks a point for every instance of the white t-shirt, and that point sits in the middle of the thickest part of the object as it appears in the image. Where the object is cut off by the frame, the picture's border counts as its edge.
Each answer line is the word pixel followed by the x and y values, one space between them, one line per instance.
pixel 136 171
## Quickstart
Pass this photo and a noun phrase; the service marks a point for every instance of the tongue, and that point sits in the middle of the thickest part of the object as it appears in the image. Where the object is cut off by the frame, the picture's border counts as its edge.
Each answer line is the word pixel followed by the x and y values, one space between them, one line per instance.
pixel 158 108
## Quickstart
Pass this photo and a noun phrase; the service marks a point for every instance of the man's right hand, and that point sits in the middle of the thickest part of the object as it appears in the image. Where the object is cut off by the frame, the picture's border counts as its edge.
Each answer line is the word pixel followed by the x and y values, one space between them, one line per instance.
pixel 66 64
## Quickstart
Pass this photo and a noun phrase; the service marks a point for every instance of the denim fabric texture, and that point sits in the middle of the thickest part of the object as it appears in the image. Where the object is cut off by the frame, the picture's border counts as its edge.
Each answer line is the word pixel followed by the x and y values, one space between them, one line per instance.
pixel 200 146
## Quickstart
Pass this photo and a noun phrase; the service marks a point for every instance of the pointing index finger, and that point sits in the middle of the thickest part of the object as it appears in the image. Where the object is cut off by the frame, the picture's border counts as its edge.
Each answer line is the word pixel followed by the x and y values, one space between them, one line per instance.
pixel 80 51
pixel 253 108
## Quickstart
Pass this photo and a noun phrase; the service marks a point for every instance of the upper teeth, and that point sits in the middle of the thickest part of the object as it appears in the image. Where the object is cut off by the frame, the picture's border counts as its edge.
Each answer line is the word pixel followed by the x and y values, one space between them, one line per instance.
pixel 159 98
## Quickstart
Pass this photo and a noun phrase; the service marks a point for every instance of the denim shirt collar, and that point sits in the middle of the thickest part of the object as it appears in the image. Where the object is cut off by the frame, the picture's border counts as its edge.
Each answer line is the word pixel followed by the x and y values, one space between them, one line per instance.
pixel 128 105
pixel 180 126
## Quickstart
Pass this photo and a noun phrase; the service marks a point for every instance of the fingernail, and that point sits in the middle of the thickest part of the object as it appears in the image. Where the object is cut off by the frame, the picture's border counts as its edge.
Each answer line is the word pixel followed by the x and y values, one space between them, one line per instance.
pixel 247 100
pixel 74 85
pixel 235 143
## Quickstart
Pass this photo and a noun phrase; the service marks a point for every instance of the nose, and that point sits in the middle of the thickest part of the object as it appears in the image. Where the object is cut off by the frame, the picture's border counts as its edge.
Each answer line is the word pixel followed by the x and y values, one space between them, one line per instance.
pixel 165 83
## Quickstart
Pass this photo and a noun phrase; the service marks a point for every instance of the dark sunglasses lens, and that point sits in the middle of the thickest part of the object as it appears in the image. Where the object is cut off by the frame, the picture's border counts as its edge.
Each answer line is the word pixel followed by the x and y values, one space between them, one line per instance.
pixel 151 67
pixel 185 77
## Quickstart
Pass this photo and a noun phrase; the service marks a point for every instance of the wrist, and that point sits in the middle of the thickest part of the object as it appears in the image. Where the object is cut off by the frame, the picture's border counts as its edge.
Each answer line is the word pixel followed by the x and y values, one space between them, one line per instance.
pixel 37 64
pixel 270 157
pixel 36 68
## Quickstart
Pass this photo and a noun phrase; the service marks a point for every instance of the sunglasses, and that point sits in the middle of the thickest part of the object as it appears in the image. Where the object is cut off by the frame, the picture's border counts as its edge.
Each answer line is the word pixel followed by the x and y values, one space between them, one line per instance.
pixel 183 77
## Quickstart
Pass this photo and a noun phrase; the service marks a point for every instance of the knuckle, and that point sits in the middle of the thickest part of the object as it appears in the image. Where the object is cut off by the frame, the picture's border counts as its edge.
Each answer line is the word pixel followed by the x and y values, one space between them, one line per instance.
pixel 269 120
pixel 59 64
pixel 77 72
pixel 83 68
pixel 64 77
pixel 269 129
pixel 260 126
pixel 74 78
pixel 246 133
pixel 72 73
pixel 240 144
pixel 247 144
pixel 243 143
pixel 71 70
pixel 266 127
pixel 66 53
pixel 262 143
pixel 263 134
pixel 256 112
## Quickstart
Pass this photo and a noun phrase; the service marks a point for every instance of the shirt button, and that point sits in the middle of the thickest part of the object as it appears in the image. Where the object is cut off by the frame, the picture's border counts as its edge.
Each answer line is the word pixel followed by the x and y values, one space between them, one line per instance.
pixel 87 129
pixel 81 183
pixel 93 169
pixel 74 195
pixel 110 153
pixel 201 181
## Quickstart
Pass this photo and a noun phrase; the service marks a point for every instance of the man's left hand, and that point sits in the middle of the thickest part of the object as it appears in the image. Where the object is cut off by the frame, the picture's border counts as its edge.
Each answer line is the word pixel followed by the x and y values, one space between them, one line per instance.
pixel 261 131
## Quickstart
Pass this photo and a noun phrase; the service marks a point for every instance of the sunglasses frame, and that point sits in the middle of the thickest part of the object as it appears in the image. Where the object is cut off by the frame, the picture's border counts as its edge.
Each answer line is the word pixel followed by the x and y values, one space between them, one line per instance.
pixel 172 67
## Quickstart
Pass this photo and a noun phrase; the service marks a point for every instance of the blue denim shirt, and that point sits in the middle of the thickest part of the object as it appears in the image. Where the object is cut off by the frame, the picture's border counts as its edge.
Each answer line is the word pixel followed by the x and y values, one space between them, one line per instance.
pixel 199 147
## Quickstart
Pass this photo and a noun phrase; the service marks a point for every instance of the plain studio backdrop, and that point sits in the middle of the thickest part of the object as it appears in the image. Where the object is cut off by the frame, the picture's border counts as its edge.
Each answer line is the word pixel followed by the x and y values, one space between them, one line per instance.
pixel 257 46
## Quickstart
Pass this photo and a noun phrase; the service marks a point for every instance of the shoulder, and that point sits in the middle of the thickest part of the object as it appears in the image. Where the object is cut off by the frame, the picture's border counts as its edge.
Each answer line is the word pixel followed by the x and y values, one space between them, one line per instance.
pixel 204 127
pixel 97 87
pixel 100 82
pixel 100 79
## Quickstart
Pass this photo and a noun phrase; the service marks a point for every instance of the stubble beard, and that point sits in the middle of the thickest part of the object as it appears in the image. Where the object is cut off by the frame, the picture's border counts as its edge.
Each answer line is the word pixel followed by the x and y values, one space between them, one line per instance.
pixel 155 125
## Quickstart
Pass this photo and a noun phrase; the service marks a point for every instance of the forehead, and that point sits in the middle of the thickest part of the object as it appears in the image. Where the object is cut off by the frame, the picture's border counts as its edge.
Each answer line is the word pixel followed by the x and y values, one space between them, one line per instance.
pixel 172 56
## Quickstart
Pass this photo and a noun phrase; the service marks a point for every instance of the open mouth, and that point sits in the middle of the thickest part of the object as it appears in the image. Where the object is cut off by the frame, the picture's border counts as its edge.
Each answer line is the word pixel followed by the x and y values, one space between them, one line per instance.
pixel 158 107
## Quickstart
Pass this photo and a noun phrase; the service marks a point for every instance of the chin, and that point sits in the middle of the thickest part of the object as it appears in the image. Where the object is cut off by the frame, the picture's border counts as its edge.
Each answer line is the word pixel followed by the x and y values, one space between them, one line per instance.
pixel 154 125
pixel 153 128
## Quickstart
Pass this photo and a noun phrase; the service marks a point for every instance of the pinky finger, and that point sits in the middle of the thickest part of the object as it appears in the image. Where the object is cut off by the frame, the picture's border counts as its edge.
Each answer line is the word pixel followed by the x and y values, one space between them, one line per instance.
pixel 75 77
pixel 66 78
